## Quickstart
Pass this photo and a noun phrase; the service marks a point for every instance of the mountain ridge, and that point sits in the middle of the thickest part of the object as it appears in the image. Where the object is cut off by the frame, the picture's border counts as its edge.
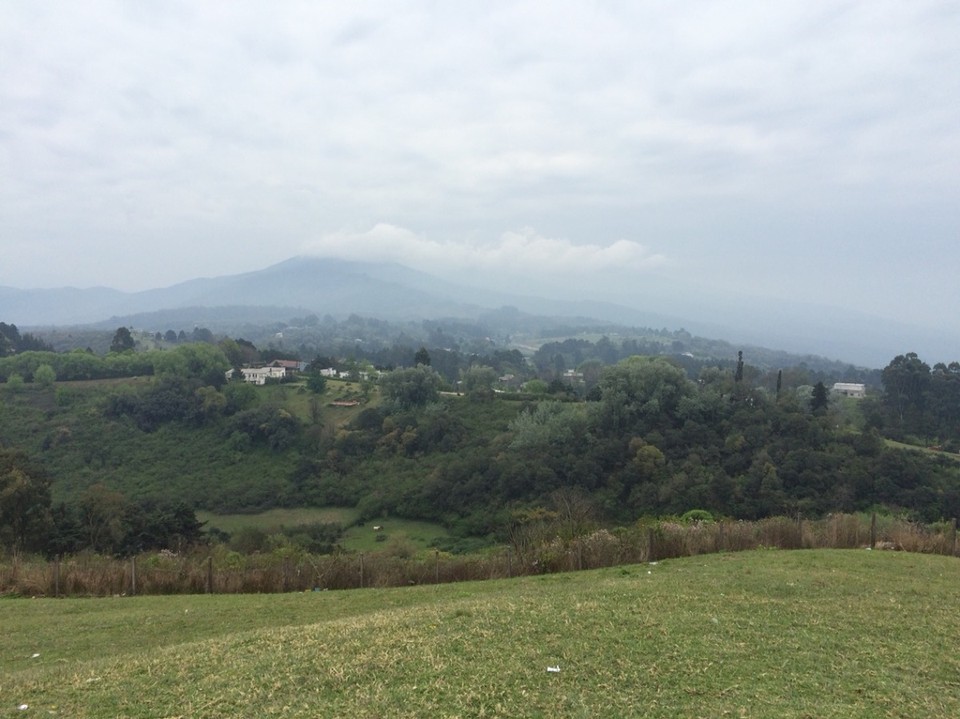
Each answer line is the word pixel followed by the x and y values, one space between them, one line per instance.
pixel 329 286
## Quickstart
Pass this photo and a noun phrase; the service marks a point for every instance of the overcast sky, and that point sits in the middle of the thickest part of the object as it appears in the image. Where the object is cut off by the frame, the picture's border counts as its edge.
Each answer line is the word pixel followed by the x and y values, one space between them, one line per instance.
pixel 792 149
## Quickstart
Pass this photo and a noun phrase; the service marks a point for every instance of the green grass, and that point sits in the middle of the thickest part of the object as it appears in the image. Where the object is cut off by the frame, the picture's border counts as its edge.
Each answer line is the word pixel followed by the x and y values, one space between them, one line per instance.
pixel 276 518
pixel 362 538
pixel 762 634
pixel 925 450
pixel 419 534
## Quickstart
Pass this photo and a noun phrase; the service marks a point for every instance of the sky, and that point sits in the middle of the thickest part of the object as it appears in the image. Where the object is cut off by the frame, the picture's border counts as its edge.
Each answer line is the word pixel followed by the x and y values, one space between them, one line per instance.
pixel 786 149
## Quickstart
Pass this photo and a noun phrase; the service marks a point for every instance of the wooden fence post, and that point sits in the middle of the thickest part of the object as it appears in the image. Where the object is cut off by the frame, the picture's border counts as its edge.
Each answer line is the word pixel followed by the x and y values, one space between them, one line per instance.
pixel 56 572
pixel 133 576
pixel 651 556
pixel 210 574
pixel 873 530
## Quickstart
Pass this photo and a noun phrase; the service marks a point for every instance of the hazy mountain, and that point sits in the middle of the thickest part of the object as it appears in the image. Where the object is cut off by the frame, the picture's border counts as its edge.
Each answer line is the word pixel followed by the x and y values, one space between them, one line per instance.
pixel 308 285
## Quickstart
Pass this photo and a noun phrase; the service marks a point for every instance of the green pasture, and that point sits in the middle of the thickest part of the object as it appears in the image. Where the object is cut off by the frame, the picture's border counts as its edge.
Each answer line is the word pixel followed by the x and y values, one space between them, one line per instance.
pixel 272 519
pixel 394 531
pixel 832 633
pixel 359 538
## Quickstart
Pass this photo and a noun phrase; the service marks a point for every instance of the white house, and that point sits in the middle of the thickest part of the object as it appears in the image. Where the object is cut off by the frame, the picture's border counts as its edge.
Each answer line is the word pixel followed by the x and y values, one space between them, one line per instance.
pixel 260 375
pixel 850 389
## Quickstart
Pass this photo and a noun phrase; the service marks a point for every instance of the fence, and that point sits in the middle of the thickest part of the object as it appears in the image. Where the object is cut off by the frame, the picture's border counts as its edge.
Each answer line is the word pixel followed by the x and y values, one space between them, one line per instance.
pixel 218 570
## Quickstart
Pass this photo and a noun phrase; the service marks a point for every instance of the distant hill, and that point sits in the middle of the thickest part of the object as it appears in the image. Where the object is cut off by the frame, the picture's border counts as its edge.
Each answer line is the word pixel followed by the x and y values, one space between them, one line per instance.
pixel 323 286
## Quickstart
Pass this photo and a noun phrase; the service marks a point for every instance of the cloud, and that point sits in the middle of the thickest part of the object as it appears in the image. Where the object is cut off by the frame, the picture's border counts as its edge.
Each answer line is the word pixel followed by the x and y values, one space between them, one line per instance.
pixel 755 144
pixel 518 252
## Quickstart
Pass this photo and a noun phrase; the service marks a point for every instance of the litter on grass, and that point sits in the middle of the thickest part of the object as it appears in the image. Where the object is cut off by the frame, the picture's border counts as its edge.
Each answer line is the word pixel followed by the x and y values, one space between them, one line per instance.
pixel 553 670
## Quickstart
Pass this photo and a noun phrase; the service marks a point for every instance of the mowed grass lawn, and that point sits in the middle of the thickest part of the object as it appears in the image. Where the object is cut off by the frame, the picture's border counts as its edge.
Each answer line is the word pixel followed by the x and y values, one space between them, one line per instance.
pixel 829 633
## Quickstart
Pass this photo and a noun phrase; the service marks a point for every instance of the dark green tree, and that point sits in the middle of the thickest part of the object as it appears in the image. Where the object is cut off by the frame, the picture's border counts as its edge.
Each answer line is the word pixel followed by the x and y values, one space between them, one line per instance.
pixel 422 357
pixel 905 382
pixel 820 398
pixel 316 382
pixel 25 515
pixel 122 340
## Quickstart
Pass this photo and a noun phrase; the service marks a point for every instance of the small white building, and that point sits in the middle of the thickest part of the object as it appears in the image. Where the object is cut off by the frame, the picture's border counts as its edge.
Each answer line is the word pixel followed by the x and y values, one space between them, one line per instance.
pixel 850 389
pixel 260 375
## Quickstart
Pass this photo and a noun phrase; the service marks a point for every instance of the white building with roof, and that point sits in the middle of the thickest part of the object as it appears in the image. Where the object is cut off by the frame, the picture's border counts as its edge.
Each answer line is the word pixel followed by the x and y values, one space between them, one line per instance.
pixel 850 389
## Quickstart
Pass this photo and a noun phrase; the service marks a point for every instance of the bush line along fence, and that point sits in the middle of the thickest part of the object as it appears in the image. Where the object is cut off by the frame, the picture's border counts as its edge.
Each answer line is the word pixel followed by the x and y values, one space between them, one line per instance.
pixel 219 570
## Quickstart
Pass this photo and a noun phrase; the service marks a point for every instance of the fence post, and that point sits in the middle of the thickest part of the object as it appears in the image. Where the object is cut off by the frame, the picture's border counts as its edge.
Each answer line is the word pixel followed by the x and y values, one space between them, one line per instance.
pixel 651 556
pixel 210 574
pixel 56 572
pixel 509 563
pixel 361 570
pixel 133 576
pixel 873 530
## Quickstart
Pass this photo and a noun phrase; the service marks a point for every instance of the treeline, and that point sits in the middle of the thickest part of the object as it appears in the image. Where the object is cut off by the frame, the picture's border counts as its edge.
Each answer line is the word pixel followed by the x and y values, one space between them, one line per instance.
pixel 919 404
pixel 203 360
pixel 11 341
pixel 653 443
pixel 694 355
pixel 101 520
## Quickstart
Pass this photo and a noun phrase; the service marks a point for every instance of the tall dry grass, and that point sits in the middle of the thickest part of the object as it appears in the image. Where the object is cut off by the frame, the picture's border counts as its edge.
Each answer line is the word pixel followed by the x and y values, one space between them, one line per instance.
pixel 287 569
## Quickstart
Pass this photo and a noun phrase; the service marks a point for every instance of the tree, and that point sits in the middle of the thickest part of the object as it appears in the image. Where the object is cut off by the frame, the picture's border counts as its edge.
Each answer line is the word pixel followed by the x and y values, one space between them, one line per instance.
pixel 422 357
pixel 414 387
pixel 104 518
pixel 478 382
pixel 316 382
pixel 9 335
pixel 905 382
pixel 535 386
pixel 44 375
pixel 24 503
pixel 640 394
pixel 15 382
pixel 820 398
pixel 122 340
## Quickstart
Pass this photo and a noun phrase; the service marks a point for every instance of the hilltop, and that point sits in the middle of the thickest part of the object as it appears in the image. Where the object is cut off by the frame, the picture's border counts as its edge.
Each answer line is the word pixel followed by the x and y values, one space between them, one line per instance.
pixel 325 287
pixel 827 633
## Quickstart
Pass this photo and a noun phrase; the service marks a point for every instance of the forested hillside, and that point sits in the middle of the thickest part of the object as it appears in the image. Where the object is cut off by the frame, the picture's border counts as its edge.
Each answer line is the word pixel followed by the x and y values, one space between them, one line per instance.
pixel 132 432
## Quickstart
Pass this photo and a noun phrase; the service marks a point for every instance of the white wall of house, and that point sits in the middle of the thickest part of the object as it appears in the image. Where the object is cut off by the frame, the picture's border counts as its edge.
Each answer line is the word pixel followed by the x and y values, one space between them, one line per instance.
pixel 260 375
pixel 850 389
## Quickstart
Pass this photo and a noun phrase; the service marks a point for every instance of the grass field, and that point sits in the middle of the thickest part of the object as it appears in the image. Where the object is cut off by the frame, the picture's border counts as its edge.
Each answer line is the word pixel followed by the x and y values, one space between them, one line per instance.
pixel 832 633
pixel 276 518
pixel 361 538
